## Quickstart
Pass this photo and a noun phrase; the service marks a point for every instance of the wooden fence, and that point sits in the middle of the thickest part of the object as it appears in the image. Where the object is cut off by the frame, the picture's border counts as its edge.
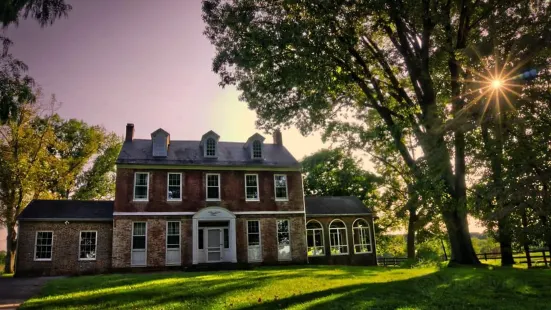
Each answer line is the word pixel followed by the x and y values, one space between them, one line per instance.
pixel 533 258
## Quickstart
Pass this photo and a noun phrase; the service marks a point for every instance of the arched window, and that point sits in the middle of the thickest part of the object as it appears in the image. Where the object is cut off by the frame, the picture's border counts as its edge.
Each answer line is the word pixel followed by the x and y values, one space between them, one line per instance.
pixel 362 236
pixel 210 147
pixel 338 238
pixel 314 236
pixel 257 149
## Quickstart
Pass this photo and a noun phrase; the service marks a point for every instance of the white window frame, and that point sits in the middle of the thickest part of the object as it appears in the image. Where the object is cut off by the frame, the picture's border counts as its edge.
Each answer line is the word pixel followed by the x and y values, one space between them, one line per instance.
pixel 132 244
pixel 257 187
pixel 80 244
pixel 215 147
pixel 179 244
pixel 207 187
pixel 134 187
pixel 340 245
pixel 322 246
pixel 361 232
pixel 286 188
pixel 35 245
pixel 168 186
pixel 252 150
pixel 259 241
pixel 290 241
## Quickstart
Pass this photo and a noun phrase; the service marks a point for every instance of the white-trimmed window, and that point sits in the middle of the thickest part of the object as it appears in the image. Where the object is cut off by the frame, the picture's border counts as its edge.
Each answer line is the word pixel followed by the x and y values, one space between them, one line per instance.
pixel 43 245
pixel 338 238
pixel 174 186
pixel 314 237
pixel 141 186
pixel 213 186
pixel 257 149
pixel 88 245
pixel 362 236
pixel 173 235
pixel 280 187
pixel 210 147
pixel 254 247
pixel 139 244
pixel 283 240
pixel 251 187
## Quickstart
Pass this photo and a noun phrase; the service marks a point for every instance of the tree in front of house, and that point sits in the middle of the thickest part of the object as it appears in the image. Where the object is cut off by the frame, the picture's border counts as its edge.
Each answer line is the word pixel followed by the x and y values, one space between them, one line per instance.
pixel 315 64
pixel 44 156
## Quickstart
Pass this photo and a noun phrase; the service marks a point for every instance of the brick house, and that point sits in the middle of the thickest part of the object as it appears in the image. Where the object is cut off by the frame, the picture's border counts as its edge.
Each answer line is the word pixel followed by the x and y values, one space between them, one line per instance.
pixel 186 203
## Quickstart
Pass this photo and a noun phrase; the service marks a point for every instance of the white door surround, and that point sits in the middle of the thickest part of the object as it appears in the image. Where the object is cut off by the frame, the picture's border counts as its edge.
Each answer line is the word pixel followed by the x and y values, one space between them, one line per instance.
pixel 214 214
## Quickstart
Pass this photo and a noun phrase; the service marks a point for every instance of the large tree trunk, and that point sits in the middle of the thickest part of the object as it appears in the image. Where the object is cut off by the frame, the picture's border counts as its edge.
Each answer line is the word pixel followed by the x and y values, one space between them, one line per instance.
pixel 411 234
pixel 460 238
pixel 505 243
pixel 11 248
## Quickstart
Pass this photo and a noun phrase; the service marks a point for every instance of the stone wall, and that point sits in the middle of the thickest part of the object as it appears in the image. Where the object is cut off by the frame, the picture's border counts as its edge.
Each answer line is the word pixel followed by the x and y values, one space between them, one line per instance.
pixel 193 192
pixel 352 258
pixel 65 251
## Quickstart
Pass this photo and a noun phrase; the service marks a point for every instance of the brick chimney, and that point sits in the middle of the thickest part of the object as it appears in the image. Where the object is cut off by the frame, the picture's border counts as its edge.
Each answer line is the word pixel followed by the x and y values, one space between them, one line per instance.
pixel 129 132
pixel 277 137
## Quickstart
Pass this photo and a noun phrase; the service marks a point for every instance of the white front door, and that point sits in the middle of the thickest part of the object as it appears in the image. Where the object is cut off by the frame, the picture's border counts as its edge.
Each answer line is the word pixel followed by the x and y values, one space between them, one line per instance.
pixel 214 245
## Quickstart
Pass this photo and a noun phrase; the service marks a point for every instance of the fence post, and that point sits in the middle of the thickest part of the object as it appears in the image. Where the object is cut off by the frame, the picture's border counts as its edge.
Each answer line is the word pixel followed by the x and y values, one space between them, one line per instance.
pixel 528 258
pixel 485 256
pixel 544 258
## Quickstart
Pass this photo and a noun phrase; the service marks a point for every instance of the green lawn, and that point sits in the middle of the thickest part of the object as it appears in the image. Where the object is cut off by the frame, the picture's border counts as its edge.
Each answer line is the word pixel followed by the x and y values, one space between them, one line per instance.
pixel 316 287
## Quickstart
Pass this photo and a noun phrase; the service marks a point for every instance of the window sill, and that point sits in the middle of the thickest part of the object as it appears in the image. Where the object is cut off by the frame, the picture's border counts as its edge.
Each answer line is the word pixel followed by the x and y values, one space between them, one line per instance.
pixel 215 200
pixel 282 199
pixel 320 255
pixel 252 200
pixel 340 254
pixel 42 259
pixel 363 252
pixel 140 200
pixel 86 259
pixel 174 200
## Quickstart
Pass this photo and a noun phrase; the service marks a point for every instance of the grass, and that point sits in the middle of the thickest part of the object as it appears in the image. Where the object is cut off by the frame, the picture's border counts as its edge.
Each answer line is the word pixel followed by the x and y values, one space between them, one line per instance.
pixel 299 287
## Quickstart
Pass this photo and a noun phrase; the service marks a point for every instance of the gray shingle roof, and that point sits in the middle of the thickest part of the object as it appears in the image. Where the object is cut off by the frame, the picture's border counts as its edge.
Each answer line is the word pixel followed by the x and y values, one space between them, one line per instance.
pixel 341 205
pixel 62 210
pixel 189 153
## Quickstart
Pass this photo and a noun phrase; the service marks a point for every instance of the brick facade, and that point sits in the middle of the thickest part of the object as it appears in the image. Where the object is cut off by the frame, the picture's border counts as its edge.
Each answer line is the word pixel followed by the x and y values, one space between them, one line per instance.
pixel 351 258
pixel 193 191
pixel 65 251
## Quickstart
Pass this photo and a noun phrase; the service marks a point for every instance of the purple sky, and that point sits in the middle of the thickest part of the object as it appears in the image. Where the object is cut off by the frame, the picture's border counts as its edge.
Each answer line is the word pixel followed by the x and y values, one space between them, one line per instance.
pixel 146 62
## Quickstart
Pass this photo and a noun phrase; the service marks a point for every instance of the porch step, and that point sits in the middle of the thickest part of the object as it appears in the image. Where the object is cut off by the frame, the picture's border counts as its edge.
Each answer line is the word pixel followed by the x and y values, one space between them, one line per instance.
pixel 219 266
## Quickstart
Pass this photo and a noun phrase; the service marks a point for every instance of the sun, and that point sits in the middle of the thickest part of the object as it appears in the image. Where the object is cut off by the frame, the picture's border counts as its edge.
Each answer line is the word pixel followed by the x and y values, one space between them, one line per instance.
pixel 497 83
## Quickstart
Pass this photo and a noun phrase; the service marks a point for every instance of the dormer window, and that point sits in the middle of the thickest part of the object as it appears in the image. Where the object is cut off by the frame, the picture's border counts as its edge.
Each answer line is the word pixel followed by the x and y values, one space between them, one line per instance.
pixel 210 149
pixel 209 144
pixel 255 146
pixel 257 149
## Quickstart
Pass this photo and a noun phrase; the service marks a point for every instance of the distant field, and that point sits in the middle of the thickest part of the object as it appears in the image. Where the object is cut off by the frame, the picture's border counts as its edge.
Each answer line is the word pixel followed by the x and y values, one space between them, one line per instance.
pixel 319 287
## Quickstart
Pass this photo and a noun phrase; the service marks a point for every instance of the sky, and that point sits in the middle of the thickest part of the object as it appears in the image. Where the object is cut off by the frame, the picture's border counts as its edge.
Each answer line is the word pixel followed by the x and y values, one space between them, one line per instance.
pixel 117 62
pixel 135 61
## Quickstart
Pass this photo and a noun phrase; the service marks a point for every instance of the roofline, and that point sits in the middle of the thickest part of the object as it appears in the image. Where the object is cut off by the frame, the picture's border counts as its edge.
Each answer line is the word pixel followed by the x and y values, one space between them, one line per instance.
pixel 165 166
pixel 338 214
pixel 58 219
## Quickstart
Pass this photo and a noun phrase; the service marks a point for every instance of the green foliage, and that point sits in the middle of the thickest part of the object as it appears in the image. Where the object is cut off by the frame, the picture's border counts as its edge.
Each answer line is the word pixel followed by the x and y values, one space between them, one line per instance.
pixel 44 11
pixel 299 287
pixel 391 245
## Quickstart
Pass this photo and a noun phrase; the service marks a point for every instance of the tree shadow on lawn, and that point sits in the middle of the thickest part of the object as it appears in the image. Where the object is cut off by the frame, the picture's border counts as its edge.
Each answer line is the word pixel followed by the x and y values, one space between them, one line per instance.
pixel 457 288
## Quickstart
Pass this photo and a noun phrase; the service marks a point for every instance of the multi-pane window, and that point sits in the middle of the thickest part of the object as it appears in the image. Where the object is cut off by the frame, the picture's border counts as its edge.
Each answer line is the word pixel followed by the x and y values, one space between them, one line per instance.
pixel 283 240
pixel 253 241
pixel 337 237
pixel 174 186
pixel 257 149
pixel 314 236
pixel 88 245
pixel 210 149
pixel 141 185
pixel 251 187
pixel 280 184
pixel 213 186
pixel 173 235
pixel 138 236
pixel 226 238
pixel 43 245
pixel 361 236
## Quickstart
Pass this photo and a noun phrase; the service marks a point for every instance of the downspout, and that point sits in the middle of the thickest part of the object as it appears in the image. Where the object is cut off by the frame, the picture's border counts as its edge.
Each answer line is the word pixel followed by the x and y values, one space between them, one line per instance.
pixel 304 208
